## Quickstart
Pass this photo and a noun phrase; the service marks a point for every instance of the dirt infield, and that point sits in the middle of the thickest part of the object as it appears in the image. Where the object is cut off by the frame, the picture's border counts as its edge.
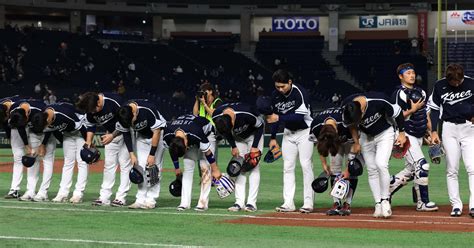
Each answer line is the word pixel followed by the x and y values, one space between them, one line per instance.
pixel 58 166
pixel 404 218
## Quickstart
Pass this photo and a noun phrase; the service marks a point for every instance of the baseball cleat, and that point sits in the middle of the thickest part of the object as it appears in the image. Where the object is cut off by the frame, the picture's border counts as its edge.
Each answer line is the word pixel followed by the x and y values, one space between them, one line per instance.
pixel 471 212
pixel 117 203
pixel 181 208
pixel 284 209
pixel 386 209
pixel 136 205
pixel 250 208
pixel 235 208
pixel 26 197
pixel 200 209
pixel 150 205
pixel 40 198
pixel 75 199
pixel 59 198
pixel 346 209
pixel 378 210
pixel 426 207
pixel 336 207
pixel 456 212
pixel 12 194
pixel 304 210
pixel 99 202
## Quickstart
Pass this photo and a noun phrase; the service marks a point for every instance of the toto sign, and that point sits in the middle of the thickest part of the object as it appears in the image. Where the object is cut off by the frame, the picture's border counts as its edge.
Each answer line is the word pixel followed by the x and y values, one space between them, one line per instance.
pixel 295 24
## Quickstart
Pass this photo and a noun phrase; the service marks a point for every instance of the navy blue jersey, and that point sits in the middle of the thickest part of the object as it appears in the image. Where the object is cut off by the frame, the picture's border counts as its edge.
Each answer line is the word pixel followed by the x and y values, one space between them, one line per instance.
pixel 454 103
pixel 379 112
pixel 148 118
pixel 417 123
pixel 247 119
pixel 66 118
pixel 11 99
pixel 107 117
pixel 34 105
pixel 294 102
pixel 332 113
pixel 196 129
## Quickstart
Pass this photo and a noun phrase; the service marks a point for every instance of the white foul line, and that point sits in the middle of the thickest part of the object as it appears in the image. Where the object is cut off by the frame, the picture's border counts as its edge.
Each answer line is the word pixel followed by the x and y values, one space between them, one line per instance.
pixel 243 216
pixel 92 241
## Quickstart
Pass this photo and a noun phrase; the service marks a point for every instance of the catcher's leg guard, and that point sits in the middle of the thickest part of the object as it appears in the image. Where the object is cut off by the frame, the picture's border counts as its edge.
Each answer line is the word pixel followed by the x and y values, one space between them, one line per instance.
pixel 421 181
pixel 397 182
pixel 352 189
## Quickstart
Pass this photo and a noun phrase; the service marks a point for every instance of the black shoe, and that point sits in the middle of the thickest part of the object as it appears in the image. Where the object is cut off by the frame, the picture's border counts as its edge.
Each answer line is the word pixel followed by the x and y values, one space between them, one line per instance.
pixel 456 212
pixel 13 194
pixel 471 212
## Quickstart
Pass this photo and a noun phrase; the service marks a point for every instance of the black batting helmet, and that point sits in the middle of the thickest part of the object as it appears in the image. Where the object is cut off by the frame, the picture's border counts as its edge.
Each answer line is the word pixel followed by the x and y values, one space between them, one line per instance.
pixel 28 160
pixel 321 183
pixel 235 166
pixel 175 186
pixel 136 175
pixel 90 155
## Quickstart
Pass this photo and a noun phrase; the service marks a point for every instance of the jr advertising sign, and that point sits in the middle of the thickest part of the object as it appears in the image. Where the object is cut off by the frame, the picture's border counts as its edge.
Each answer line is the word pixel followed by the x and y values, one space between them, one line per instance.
pixel 295 24
pixel 461 20
pixel 383 22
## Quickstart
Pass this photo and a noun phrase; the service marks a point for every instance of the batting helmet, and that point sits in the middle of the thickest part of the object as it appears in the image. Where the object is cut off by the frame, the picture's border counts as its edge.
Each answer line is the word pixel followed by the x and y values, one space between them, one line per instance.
pixel 235 166
pixel 28 160
pixel 264 105
pixel 136 175
pixel 175 186
pixel 321 183
pixel 355 167
pixel 90 155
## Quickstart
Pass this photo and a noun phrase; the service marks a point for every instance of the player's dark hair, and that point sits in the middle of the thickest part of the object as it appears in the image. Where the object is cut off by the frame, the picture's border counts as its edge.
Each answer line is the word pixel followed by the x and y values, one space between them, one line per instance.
pixel 352 113
pixel 454 73
pixel 281 76
pixel 404 67
pixel 208 86
pixel 88 102
pixel 223 125
pixel 125 116
pixel 18 118
pixel 3 112
pixel 328 141
pixel 177 147
pixel 39 121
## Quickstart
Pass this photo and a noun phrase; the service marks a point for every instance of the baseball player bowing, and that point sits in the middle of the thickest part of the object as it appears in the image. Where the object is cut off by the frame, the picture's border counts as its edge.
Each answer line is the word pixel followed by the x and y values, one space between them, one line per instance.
pixel 24 142
pixel 63 119
pixel 5 105
pixel 187 137
pixel 101 110
pixel 333 139
pixel 452 99
pixel 290 105
pixel 143 118
pixel 243 128
pixel 411 98
pixel 370 113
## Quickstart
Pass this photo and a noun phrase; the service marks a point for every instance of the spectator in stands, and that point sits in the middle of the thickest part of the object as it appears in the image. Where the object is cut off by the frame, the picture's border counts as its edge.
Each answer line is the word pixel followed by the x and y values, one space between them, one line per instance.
pixel 136 81
pixel 335 99
pixel 264 30
pixel 206 101
pixel 220 69
pixel 178 69
pixel 131 66
pixel 52 98
pixel 259 78
pixel 121 88
pixel 414 46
